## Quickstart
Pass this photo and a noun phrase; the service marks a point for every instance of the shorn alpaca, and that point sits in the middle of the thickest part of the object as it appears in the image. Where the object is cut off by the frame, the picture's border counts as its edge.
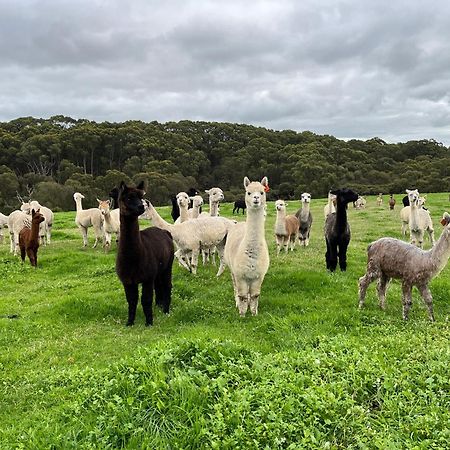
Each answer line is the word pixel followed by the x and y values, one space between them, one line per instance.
pixel 3 224
pixel 144 257
pixel 86 218
pixel 111 223
pixel 16 221
pixel 29 238
pixel 337 230
pixel 391 202
pixel 286 228
pixel 392 258
pixel 305 219
pixel 330 207
pixel 246 252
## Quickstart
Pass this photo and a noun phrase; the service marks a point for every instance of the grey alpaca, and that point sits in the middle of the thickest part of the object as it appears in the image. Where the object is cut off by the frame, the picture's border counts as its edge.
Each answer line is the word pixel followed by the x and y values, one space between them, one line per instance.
pixel 305 219
pixel 391 258
pixel 337 230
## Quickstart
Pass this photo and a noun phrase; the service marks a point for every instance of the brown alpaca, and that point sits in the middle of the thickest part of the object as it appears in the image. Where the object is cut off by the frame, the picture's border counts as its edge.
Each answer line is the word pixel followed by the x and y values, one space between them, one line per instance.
pixel 144 257
pixel 29 238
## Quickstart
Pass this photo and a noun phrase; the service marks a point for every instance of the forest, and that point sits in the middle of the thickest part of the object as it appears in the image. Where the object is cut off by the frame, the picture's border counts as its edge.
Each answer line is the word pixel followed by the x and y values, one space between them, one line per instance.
pixel 55 157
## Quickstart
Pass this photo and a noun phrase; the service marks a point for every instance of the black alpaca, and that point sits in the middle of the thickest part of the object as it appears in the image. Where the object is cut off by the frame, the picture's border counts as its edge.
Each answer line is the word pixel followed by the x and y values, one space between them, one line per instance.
pixel 176 209
pixel 239 204
pixel 405 200
pixel 114 197
pixel 337 230
pixel 143 257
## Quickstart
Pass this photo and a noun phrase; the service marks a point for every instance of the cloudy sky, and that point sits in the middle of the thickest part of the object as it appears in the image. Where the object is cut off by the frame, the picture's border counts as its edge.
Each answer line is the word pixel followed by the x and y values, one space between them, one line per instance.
pixel 353 69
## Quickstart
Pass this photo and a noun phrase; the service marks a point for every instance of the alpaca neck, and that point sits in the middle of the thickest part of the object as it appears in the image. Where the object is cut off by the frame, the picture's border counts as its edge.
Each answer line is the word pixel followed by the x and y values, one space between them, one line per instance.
pixel 304 212
pixel 195 211
pixel 413 216
pixel 35 230
pixel 330 205
pixel 440 253
pixel 213 208
pixel 280 224
pixel 130 237
pixel 254 230
pixel 341 216
pixel 183 213
pixel 78 204
pixel 157 220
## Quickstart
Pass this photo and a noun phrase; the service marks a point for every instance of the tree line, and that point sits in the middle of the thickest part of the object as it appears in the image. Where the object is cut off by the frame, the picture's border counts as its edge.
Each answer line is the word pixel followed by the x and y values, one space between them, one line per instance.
pixel 58 156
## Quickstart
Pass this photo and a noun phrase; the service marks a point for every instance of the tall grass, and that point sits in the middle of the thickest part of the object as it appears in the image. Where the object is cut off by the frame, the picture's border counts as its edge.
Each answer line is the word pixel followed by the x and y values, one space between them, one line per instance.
pixel 310 371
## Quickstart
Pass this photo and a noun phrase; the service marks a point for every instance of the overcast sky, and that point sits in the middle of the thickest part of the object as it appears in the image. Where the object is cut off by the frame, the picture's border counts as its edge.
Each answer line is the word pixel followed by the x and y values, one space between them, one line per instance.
pixel 353 69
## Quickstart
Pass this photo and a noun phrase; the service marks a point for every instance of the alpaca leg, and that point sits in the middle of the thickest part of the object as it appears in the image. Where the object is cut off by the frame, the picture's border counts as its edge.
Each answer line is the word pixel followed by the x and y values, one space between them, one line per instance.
pixel 220 251
pixel 16 244
pixel 132 295
pixel 31 256
pixel 84 234
pixel 11 242
pixel 107 243
pixel 255 292
pixel 180 257
pixel 163 289
pixel 194 261
pixel 363 284
pixel 278 242
pixel 286 244
pixel 242 297
pixel 406 299
pixel 49 234
pixel 332 256
pixel 99 236
pixel 147 302
pixel 342 254
pixel 431 234
pixel 22 253
pixel 382 285
pixel 236 297
pixel 427 297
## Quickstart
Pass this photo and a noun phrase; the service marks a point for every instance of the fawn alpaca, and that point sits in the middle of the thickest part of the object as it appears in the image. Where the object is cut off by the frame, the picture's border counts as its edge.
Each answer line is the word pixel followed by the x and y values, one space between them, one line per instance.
pixel 29 238
pixel 144 257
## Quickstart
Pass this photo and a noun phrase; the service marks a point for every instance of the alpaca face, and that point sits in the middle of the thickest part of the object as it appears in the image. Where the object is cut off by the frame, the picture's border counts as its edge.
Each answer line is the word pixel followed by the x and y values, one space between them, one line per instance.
pixel 305 197
pixel 130 200
pixel 78 196
pixel 255 195
pixel 37 217
pixel 280 205
pixel 183 200
pixel 413 196
pixel 345 195
pixel 103 206
pixel 25 207
pixel 215 195
pixel 197 201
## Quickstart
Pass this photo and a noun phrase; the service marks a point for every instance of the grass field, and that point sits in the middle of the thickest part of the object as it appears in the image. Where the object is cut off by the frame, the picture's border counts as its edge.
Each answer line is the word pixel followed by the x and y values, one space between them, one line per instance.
pixel 310 371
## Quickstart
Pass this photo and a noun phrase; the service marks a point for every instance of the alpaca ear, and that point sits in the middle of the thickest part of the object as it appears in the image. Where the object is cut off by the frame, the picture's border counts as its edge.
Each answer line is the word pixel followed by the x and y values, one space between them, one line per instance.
pixel 246 182
pixel 122 186
pixel 207 191
pixel 99 201
pixel 33 212
pixel 265 182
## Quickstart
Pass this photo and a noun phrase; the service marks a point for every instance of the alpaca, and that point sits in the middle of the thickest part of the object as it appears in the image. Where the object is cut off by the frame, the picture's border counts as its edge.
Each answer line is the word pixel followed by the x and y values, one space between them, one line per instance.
pixel 86 218
pixel 239 204
pixel 337 230
pixel 246 252
pixel 183 202
pixel 286 228
pixel 305 219
pixel 16 221
pixel 111 222
pixel 49 218
pixel 419 219
pixel 360 203
pixel 391 202
pixel 197 203
pixel 330 207
pixel 380 199
pixel 144 257
pixel 3 224
pixel 392 258
pixel 175 213
pixel 26 208
pixel 29 238
pixel 114 198
pixel 405 200
pixel 193 236
pixel 215 197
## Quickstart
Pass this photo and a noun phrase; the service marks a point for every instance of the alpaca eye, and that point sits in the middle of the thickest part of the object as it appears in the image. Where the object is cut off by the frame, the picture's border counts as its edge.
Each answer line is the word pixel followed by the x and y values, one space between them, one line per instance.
pixel 248 193
pixel 262 193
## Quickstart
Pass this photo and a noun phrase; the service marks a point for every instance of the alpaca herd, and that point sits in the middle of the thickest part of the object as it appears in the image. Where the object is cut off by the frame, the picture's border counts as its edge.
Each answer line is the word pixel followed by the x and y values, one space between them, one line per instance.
pixel 145 257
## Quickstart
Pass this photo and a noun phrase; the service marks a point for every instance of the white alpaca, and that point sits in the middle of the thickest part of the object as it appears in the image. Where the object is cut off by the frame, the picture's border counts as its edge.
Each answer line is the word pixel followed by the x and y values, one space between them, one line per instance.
pixel 330 207
pixel 391 258
pixel 86 218
pixel 215 197
pixel 111 223
pixel 3 224
pixel 45 228
pixel 305 219
pixel 419 219
pixel 405 213
pixel 183 201
pixel 197 203
pixel 16 221
pixel 286 228
pixel 246 252
pixel 194 235
pixel 360 203
pixel 380 199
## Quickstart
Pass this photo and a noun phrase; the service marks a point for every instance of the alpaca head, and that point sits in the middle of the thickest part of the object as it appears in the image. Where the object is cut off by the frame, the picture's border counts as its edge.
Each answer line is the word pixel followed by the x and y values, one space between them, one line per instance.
pixel 183 200
pixel 104 206
pixel 255 193
pixel 280 205
pixel 215 195
pixel 413 196
pixel 25 207
pixel 78 196
pixel 36 216
pixel 345 195
pixel 130 200
pixel 445 221
pixel 305 197
pixel 197 201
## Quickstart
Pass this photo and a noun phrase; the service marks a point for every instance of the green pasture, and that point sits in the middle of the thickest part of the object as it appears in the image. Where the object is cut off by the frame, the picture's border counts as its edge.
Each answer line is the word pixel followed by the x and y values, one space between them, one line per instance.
pixel 310 371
